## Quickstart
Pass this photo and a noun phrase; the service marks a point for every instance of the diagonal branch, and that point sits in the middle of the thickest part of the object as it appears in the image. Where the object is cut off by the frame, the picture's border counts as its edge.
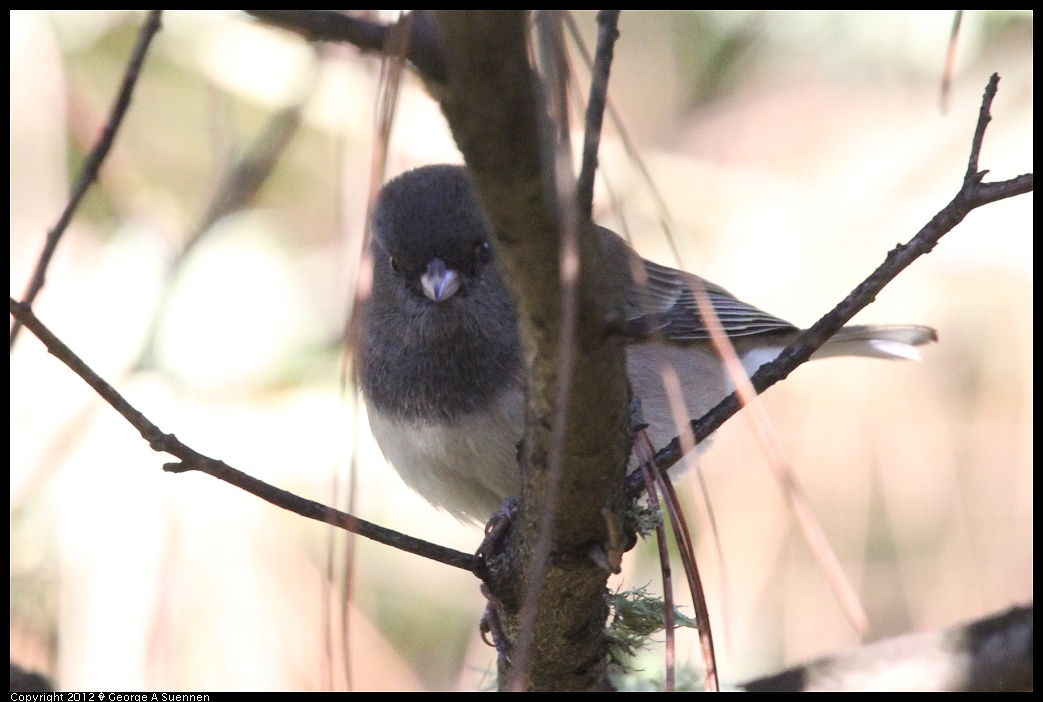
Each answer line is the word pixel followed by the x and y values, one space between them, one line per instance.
pixel 973 194
pixel 190 459
pixel 328 25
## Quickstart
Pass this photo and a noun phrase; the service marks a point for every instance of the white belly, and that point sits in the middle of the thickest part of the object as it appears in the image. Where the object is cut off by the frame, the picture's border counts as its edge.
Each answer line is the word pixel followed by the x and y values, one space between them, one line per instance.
pixel 466 468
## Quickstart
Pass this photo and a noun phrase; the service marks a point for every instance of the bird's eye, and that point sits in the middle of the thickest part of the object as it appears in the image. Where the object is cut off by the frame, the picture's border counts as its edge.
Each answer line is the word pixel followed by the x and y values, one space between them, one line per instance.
pixel 480 255
pixel 395 265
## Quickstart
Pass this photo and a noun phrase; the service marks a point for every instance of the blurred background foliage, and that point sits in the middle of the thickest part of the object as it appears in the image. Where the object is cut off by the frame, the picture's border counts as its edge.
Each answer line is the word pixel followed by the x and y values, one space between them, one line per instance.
pixel 792 150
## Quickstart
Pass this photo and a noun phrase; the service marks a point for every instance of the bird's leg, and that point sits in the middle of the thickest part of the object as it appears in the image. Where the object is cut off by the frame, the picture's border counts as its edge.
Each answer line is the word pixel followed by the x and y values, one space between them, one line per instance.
pixel 490 624
pixel 495 529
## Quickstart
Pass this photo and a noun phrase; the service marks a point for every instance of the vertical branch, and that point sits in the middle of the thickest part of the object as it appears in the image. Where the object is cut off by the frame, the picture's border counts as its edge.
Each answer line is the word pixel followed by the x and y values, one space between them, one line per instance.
pixel 496 111
pixel 555 82
pixel 607 35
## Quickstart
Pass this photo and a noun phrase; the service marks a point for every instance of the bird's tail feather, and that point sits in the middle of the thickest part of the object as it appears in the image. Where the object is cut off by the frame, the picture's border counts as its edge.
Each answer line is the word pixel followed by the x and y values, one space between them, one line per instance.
pixel 898 341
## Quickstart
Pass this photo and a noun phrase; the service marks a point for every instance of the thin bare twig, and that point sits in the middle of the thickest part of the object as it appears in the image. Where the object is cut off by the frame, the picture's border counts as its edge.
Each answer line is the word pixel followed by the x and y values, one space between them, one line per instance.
pixel 608 33
pixel 973 194
pixel 771 447
pixel 92 164
pixel 189 459
pixel 686 548
pixel 645 470
pixel 628 143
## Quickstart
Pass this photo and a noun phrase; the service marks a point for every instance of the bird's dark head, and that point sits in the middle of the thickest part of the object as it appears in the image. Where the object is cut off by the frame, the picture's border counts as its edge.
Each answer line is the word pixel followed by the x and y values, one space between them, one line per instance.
pixel 440 331
pixel 430 235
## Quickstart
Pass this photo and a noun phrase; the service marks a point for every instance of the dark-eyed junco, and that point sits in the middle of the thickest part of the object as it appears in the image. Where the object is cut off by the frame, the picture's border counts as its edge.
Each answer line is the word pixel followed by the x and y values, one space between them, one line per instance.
pixel 441 369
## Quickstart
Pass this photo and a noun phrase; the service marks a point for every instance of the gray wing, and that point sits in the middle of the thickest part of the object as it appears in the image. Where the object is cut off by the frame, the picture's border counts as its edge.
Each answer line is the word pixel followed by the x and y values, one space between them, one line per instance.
pixel 667 305
pixel 664 303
